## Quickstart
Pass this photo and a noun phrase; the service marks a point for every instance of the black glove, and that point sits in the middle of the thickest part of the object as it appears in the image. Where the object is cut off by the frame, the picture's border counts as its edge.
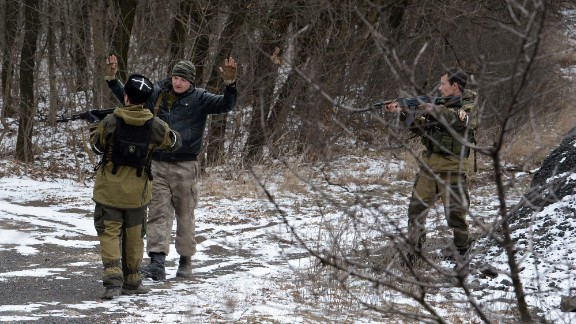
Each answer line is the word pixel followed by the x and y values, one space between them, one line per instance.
pixel 90 117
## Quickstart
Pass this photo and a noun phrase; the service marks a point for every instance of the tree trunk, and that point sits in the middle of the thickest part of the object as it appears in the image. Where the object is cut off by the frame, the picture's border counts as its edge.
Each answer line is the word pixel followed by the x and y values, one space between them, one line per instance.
pixel 121 39
pixel 11 21
pixel 201 17
pixel 53 88
pixel 24 150
pixel 217 127
pixel 81 45
pixel 263 89
pixel 98 23
pixel 178 34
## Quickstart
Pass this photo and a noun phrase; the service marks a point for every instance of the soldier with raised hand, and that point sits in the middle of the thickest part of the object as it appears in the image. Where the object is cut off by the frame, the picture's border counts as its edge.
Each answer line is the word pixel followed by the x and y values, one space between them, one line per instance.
pixel 185 108
pixel 123 185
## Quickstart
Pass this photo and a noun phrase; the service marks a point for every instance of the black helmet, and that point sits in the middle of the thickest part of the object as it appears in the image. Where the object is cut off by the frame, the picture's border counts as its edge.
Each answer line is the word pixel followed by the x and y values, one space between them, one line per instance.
pixel 138 88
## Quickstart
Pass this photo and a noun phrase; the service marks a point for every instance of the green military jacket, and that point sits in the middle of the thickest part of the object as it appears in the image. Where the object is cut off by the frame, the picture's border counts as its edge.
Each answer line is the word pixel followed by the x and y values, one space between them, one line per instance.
pixel 125 189
pixel 444 152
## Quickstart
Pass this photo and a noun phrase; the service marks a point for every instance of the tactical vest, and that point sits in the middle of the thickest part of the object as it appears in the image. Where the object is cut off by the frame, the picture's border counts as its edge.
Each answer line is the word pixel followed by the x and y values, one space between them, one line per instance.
pixel 438 140
pixel 130 147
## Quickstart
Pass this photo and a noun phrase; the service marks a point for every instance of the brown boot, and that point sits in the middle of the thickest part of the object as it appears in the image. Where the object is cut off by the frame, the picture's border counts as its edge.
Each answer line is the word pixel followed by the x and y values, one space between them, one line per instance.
pixel 184 267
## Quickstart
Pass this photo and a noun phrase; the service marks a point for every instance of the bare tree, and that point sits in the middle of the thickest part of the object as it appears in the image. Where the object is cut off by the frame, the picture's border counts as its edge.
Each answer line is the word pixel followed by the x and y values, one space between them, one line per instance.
pixel 24 149
pixel 201 20
pixel 11 23
pixel 81 43
pixel 54 102
pixel 179 32
pixel 217 126
pixel 265 73
pixel 126 11
pixel 98 23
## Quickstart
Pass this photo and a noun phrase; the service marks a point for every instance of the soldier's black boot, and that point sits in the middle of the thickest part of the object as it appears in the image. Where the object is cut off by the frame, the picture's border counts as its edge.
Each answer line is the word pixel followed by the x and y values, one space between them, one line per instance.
pixel 410 261
pixel 155 270
pixel 462 261
pixel 111 292
pixel 135 291
pixel 184 267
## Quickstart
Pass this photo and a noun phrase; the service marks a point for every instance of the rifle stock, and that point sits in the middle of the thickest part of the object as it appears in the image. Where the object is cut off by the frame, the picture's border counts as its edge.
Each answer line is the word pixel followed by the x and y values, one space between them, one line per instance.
pixel 99 113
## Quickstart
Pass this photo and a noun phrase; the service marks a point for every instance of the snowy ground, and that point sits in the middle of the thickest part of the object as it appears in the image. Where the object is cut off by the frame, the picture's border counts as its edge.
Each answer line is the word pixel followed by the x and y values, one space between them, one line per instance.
pixel 238 273
pixel 248 267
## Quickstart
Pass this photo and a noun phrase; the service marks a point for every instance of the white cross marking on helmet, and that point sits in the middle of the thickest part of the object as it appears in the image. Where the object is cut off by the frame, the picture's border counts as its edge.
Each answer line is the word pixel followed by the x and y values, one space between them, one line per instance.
pixel 142 83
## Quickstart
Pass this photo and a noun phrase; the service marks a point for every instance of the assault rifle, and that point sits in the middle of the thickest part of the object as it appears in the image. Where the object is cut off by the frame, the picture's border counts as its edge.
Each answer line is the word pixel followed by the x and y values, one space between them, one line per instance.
pixel 410 104
pixel 89 115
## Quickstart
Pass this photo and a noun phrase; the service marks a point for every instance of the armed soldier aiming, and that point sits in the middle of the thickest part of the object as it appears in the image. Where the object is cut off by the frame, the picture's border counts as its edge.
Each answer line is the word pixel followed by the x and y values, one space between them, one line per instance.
pixel 446 127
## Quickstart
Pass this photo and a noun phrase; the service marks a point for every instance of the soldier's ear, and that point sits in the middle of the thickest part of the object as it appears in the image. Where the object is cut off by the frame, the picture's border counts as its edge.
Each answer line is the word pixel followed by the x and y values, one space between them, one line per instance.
pixel 456 87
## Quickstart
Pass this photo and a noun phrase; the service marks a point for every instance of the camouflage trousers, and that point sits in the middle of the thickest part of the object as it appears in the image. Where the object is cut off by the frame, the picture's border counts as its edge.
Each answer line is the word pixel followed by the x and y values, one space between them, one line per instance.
pixel 174 196
pixel 452 189
pixel 121 235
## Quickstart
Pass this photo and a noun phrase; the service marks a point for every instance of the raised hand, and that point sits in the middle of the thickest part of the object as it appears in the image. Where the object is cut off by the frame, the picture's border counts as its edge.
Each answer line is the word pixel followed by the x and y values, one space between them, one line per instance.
pixel 229 70
pixel 111 67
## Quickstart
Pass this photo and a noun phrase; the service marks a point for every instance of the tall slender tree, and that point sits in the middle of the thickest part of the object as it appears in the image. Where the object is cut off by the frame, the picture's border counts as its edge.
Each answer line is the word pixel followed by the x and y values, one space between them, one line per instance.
pixel 126 10
pixel 178 33
pixel 217 127
pixel 11 22
pixel 271 45
pixel 24 150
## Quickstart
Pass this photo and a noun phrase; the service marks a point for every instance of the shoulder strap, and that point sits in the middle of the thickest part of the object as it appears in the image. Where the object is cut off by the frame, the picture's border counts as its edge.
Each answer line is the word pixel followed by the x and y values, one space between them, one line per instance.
pixel 158 102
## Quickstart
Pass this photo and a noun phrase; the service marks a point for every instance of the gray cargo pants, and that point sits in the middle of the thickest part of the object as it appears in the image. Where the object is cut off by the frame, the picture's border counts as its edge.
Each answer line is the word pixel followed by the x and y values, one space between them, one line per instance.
pixel 174 194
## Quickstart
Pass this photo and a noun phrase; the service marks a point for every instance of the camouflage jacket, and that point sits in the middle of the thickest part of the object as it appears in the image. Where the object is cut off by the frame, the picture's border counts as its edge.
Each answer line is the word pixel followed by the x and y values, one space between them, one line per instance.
pixel 446 131
pixel 125 189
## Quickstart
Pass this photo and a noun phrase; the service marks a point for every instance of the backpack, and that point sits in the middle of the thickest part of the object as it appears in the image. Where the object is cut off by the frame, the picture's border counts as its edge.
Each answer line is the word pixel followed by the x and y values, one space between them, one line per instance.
pixel 130 147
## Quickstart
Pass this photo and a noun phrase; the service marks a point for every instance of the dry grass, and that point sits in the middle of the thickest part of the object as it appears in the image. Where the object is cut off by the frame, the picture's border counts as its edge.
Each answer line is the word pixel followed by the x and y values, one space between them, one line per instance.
pixel 566 59
pixel 229 183
pixel 409 168
pixel 233 182
pixel 292 183
pixel 529 146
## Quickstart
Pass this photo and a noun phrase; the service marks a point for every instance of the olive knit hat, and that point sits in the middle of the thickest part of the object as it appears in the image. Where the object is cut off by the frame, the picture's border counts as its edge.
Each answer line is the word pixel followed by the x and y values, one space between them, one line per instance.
pixel 185 69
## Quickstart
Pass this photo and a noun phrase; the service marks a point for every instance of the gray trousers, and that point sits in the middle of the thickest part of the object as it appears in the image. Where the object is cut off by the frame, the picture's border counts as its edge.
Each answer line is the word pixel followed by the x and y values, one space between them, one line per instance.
pixel 174 196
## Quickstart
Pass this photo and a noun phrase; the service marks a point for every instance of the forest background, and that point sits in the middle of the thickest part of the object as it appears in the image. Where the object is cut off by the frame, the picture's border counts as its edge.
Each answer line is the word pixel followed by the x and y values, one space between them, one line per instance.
pixel 305 67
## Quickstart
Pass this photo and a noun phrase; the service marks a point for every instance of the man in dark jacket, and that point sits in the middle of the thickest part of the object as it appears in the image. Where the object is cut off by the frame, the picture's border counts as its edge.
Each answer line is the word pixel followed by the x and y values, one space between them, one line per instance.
pixel 185 108
pixel 122 190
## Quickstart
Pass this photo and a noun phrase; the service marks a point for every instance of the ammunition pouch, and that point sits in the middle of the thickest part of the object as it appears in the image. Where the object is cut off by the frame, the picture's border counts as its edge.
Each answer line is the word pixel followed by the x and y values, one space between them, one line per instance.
pixel 438 140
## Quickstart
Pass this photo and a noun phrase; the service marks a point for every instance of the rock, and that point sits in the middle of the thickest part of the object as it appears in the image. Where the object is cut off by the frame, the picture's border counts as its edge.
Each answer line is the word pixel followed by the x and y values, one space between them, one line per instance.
pixel 568 304
pixel 506 282
pixel 560 160
pixel 474 284
pixel 489 271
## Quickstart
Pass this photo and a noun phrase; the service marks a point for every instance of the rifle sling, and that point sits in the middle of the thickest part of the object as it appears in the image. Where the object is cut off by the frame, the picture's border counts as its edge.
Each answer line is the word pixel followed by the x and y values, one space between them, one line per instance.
pixel 157 105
